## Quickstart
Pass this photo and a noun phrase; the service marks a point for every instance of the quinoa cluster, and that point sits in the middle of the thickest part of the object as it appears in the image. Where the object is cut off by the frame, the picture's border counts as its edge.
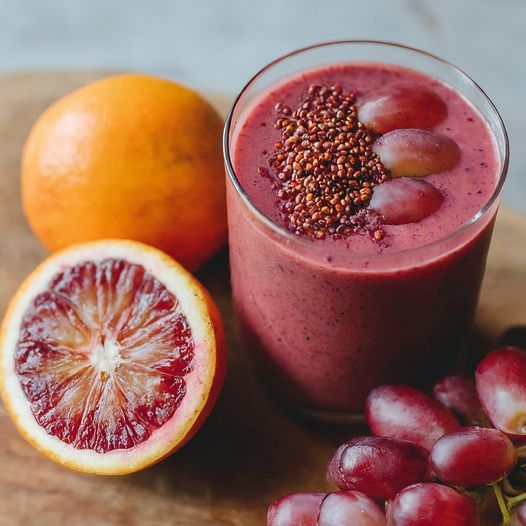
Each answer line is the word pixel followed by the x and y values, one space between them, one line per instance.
pixel 325 167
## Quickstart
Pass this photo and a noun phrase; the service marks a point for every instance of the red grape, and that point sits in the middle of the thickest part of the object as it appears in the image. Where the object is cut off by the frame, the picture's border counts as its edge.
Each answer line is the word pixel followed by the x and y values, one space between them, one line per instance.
pixel 404 200
pixel 400 411
pixel 473 456
pixel 415 153
pixel 401 106
pixel 459 394
pixel 378 466
pixel 350 508
pixel 428 504
pixel 518 516
pixel 296 509
pixel 501 386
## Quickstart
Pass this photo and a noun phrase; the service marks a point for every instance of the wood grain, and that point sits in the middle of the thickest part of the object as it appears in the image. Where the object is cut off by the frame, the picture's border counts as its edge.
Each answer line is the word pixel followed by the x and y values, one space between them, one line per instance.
pixel 249 451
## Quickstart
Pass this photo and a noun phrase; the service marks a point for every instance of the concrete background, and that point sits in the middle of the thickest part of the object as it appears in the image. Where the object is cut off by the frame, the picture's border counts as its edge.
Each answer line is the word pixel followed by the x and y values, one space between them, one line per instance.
pixel 218 44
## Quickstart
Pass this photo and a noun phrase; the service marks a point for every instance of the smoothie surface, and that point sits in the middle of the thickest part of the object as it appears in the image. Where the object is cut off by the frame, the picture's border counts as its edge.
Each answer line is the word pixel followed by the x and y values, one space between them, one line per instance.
pixel 466 188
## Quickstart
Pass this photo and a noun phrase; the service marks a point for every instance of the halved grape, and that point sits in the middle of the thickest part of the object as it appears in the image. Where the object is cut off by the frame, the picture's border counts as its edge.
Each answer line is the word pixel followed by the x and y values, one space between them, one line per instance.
pixel 350 508
pixel 501 386
pixel 473 456
pixel 296 509
pixel 400 411
pixel 380 467
pixel 401 106
pixel 459 394
pixel 415 153
pixel 402 201
pixel 428 504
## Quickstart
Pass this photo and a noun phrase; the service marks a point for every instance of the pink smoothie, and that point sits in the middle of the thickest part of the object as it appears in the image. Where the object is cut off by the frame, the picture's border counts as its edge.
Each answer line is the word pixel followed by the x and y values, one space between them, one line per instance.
pixel 330 319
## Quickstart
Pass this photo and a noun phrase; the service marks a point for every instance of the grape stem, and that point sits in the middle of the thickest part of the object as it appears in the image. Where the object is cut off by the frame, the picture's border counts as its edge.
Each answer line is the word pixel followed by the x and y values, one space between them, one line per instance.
pixel 506 519
pixel 508 489
pixel 514 501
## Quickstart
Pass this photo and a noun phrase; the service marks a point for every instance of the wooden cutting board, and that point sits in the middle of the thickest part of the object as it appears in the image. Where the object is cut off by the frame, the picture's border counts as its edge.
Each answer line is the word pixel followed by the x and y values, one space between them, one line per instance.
pixel 249 452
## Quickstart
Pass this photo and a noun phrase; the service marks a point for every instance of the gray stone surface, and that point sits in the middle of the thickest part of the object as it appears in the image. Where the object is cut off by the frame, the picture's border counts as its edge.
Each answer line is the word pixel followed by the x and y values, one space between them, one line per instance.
pixel 218 44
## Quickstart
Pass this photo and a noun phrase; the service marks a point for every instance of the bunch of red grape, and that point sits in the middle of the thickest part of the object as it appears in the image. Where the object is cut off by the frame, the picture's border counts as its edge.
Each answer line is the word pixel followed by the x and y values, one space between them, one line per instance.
pixel 430 457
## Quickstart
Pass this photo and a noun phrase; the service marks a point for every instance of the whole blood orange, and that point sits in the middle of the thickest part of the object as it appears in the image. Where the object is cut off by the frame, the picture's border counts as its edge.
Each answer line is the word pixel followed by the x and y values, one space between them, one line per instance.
pixel 111 357
pixel 128 156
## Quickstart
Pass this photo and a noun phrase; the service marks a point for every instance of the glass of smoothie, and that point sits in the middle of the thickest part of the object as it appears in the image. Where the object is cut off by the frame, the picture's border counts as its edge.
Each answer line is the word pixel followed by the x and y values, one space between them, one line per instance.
pixel 363 180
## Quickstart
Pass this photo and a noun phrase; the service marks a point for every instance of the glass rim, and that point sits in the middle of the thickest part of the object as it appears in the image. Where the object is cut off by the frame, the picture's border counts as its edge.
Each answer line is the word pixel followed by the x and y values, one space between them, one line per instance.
pixel 294 238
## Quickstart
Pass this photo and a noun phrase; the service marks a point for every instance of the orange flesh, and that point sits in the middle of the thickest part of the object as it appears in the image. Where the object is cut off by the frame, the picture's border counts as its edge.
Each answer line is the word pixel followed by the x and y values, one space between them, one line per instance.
pixel 102 355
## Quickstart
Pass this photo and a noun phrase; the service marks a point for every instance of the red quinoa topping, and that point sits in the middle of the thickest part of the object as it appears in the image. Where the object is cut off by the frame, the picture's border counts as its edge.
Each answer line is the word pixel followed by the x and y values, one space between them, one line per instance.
pixel 325 167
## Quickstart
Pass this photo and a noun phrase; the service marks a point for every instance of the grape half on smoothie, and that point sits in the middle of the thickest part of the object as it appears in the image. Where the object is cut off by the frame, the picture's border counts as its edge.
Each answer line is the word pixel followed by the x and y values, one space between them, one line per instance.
pixel 351 261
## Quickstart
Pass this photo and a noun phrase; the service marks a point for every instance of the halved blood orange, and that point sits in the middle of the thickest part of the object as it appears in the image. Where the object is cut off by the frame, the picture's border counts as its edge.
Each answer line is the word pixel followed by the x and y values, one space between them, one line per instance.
pixel 112 356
